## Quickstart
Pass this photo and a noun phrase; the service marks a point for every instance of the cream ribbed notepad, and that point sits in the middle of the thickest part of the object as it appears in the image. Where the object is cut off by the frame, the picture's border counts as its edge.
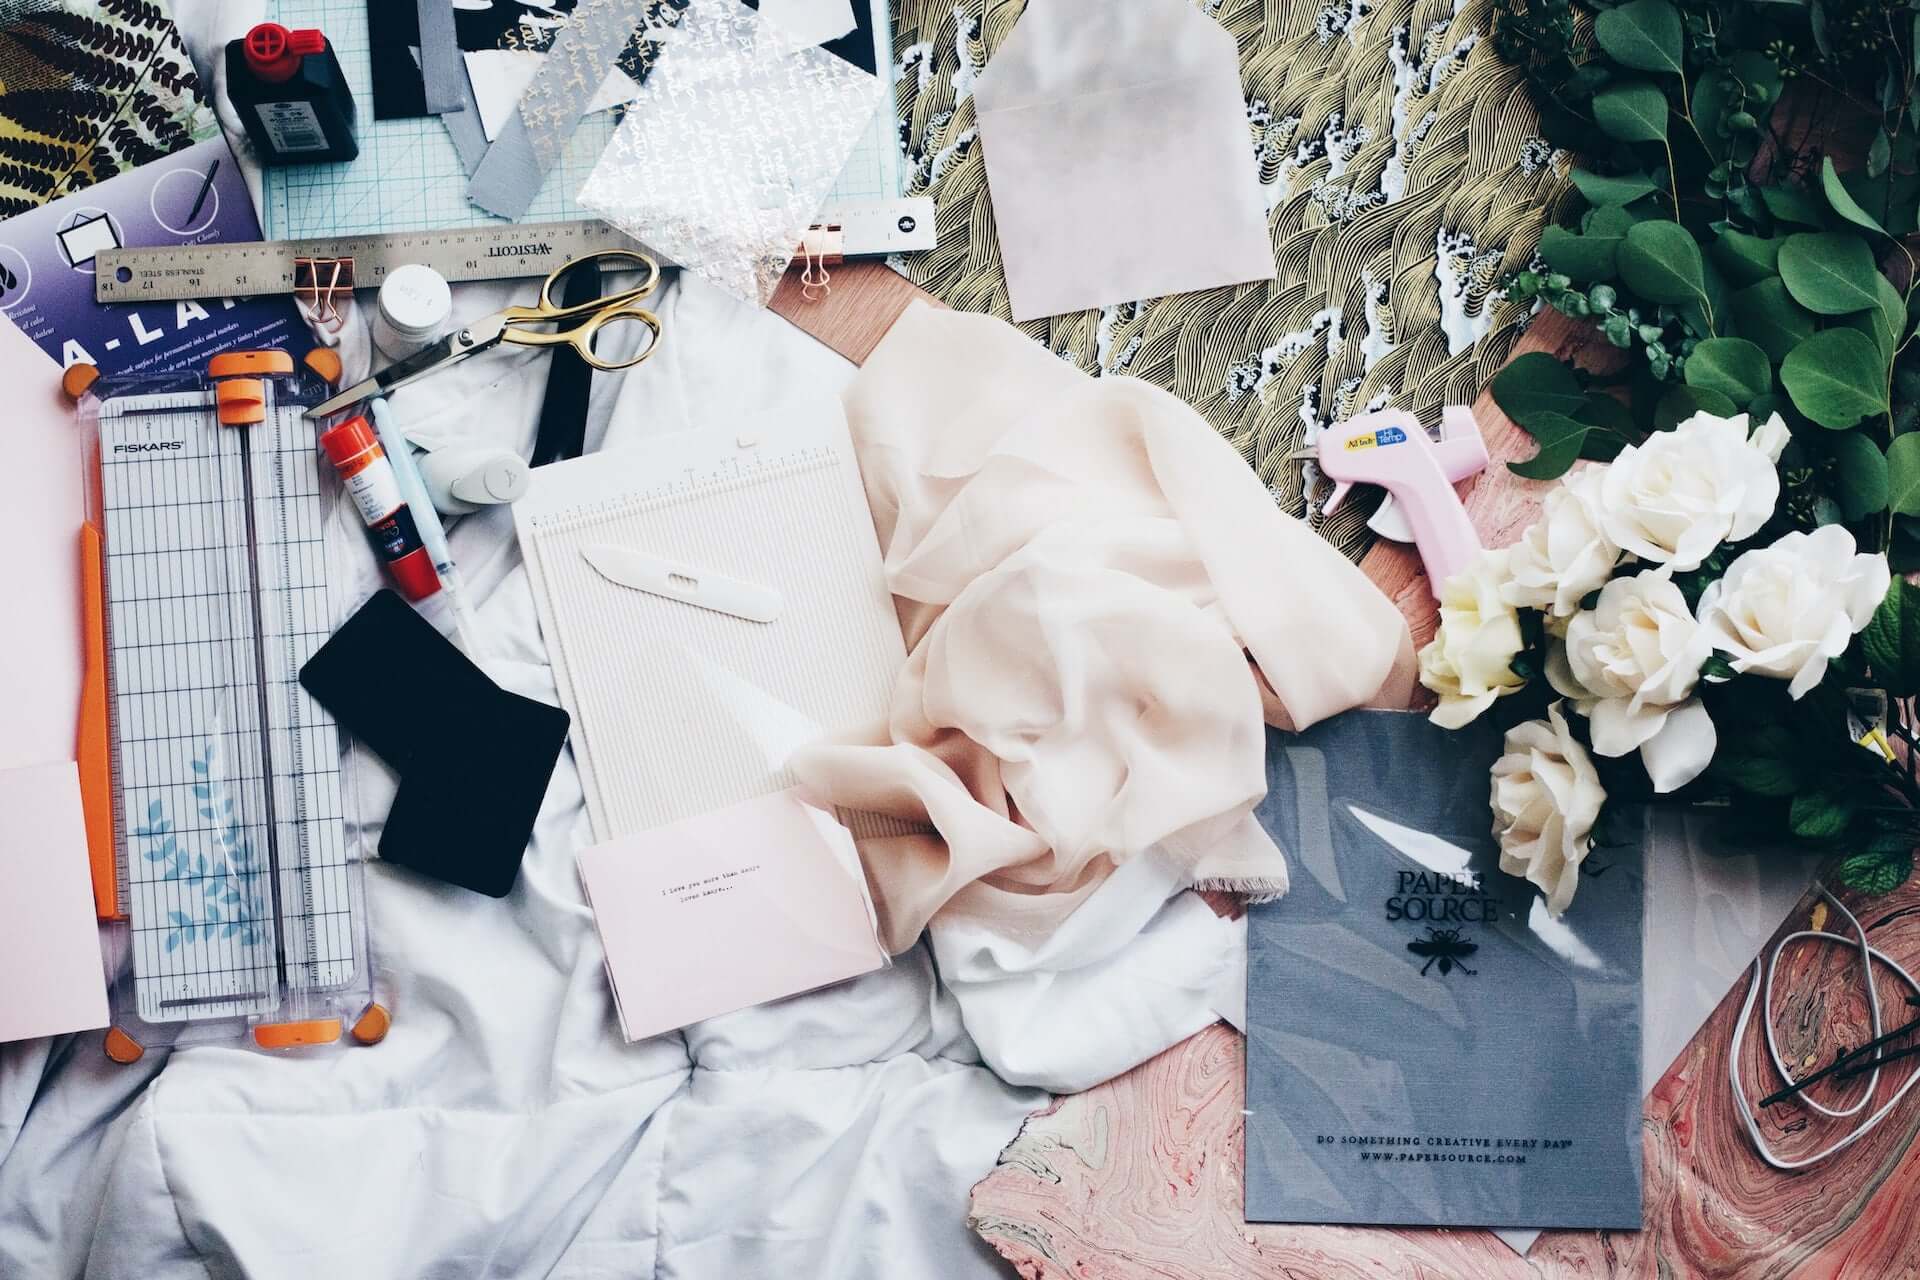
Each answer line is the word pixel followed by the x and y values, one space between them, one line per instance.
pixel 680 708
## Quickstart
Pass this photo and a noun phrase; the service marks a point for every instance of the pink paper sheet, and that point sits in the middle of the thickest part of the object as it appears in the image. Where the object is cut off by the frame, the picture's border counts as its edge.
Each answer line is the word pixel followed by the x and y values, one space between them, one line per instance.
pixel 50 976
pixel 40 655
pixel 757 901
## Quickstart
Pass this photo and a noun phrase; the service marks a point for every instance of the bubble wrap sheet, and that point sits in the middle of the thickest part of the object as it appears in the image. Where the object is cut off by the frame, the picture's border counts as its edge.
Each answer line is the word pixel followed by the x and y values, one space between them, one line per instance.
pixel 728 153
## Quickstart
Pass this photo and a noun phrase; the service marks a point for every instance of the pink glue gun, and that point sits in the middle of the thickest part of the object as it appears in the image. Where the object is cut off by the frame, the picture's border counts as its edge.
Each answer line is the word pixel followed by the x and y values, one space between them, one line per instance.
pixel 1391 449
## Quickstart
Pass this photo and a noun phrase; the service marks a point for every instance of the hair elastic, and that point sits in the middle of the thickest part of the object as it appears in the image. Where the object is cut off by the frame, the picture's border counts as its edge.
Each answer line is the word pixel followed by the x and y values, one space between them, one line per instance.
pixel 1759 980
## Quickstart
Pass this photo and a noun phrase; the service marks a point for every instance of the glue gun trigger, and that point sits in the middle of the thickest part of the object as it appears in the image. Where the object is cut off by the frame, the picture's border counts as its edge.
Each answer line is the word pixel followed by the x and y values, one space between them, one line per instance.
pixel 1341 488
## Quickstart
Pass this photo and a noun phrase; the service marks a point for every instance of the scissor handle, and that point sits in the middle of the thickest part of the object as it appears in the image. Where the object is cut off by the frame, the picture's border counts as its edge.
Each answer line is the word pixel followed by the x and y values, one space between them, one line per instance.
pixel 580 337
pixel 608 260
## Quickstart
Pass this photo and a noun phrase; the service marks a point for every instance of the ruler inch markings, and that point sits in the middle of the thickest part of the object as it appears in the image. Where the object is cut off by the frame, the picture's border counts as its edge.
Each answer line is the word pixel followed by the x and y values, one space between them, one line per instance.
pixel 245 269
pixel 506 251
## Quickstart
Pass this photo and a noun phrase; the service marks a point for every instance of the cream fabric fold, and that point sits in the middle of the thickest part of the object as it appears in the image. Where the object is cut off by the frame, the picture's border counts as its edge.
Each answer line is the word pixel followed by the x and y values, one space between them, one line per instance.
pixel 1083 569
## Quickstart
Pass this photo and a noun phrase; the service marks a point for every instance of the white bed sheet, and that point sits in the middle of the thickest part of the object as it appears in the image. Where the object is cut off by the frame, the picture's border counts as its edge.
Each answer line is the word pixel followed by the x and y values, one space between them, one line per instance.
pixel 504 1128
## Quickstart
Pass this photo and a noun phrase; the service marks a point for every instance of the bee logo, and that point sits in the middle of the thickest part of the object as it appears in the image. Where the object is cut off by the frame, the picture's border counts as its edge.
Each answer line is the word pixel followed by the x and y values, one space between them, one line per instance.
pixel 1447 947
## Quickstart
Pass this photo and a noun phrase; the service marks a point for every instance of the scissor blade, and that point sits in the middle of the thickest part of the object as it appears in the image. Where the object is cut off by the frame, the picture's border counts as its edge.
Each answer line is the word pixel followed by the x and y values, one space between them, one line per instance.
pixel 397 374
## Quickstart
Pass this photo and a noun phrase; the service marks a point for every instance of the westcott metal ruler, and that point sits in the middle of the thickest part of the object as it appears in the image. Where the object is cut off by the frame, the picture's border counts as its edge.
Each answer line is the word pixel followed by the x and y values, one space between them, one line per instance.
pixel 504 252
pixel 241 270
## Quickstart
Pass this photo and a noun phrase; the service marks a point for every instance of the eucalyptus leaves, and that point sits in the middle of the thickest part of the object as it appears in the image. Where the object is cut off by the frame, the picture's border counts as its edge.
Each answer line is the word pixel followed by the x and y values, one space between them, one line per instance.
pixel 1721 247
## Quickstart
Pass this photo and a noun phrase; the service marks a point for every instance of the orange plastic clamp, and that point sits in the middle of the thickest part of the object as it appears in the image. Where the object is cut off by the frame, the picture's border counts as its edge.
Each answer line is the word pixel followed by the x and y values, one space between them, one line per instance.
pixel 78 379
pixel 373 1025
pixel 325 361
pixel 240 402
pixel 289 1035
pixel 229 364
pixel 123 1048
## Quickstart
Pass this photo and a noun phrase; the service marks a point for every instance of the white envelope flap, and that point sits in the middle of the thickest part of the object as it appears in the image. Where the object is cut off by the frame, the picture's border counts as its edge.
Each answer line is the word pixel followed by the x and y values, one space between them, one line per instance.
pixel 1069 48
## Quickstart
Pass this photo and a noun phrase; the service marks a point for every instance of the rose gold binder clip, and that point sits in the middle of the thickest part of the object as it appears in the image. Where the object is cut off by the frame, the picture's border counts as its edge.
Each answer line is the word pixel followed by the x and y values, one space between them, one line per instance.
pixel 322 282
pixel 821 247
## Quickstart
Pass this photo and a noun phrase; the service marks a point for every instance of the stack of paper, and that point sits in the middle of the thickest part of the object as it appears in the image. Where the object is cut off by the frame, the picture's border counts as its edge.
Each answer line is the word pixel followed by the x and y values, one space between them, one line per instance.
pixel 49 950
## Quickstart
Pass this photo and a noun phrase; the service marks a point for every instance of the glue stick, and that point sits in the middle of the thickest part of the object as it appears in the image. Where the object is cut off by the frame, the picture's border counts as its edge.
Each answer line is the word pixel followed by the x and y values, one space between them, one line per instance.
pixel 365 469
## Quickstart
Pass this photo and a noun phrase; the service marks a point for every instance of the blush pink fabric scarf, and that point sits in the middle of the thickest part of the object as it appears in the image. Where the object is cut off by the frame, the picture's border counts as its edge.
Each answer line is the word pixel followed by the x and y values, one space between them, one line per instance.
pixel 1101 605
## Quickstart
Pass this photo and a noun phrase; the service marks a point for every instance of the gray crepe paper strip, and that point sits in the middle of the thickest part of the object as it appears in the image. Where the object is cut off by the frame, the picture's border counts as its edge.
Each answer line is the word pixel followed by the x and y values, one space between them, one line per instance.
pixel 442 73
pixel 516 164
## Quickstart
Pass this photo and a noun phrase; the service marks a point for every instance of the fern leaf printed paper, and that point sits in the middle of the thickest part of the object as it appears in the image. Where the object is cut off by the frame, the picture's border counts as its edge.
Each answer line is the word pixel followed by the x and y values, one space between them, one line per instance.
pixel 88 90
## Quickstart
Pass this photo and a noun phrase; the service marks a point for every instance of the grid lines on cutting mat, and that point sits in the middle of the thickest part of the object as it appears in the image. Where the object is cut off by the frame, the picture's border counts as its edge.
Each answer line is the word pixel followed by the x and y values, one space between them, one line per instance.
pixel 215 571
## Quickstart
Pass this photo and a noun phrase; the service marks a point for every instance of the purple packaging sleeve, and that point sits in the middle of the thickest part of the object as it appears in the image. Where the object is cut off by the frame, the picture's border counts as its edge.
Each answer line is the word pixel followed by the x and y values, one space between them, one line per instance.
pixel 193 197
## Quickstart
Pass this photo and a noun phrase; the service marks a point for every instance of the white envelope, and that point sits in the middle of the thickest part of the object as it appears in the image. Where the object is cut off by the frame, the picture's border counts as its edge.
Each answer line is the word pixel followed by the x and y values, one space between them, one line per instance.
pixel 1118 156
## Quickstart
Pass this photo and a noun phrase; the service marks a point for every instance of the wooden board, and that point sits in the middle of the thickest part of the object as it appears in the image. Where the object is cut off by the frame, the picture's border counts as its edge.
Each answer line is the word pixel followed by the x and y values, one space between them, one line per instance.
pixel 863 300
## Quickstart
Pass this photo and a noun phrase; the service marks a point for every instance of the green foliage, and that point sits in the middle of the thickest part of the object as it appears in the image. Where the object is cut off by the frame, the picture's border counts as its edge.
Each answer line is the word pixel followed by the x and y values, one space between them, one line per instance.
pixel 1842 200
pixel 1859 474
pixel 1891 642
pixel 1734 256
pixel 1766 315
pixel 1835 377
pixel 1634 111
pixel 1734 367
pixel 1546 398
pixel 1875 872
pixel 1660 262
pixel 1903 475
pixel 1644 34
pixel 1830 273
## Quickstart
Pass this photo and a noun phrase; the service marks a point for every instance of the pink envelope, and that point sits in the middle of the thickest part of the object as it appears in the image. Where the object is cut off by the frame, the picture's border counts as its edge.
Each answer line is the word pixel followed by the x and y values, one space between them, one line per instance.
pixel 40 655
pixel 49 944
pixel 754 902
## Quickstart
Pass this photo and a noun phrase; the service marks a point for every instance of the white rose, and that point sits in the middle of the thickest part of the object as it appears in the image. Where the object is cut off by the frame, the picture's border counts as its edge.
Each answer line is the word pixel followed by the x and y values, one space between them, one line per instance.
pixel 1564 555
pixel 1546 797
pixel 1630 664
pixel 1770 437
pixel 1785 610
pixel 1679 494
pixel 1469 660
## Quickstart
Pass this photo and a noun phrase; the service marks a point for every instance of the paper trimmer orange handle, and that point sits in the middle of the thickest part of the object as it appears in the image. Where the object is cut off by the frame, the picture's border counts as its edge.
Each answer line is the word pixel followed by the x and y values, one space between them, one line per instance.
pixel 91 743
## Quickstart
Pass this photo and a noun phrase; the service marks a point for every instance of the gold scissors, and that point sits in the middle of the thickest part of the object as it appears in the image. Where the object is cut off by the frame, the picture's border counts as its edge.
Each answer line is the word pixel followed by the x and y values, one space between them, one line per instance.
pixel 542 325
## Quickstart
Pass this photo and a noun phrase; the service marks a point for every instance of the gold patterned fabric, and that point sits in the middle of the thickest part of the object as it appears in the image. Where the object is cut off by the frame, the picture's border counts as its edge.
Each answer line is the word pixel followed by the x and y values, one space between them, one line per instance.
pixel 1404 177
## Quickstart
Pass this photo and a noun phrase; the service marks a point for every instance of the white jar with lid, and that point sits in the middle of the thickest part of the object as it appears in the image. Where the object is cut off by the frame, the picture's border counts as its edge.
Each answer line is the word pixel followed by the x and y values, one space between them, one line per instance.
pixel 415 307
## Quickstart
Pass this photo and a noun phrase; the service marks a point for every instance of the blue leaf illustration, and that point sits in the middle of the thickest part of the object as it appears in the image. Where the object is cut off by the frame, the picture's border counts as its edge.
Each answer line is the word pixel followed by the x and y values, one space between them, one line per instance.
pixel 202 790
pixel 233 927
pixel 199 766
pixel 164 825
pixel 155 809
pixel 143 831
pixel 206 813
pixel 213 914
pixel 154 855
pixel 179 917
pixel 200 865
pixel 227 804
pixel 173 940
